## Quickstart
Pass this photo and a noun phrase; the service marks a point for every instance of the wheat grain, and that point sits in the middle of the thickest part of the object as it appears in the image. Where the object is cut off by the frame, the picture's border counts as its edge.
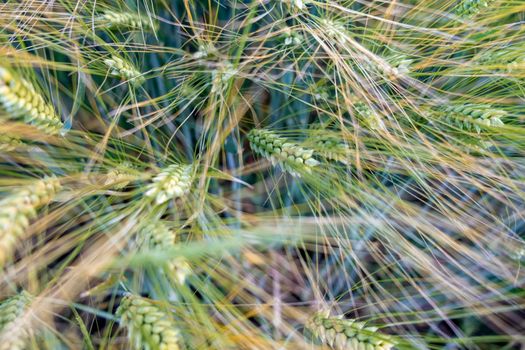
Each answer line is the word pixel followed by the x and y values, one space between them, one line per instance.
pixel 124 70
pixel 12 336
pixel 126 20
pixel 119 177
pixel 290 156
pixel 17 209
pixel 149 327
pixel 158 236
pixel 171 182
pixel 20 98
pixel 345 334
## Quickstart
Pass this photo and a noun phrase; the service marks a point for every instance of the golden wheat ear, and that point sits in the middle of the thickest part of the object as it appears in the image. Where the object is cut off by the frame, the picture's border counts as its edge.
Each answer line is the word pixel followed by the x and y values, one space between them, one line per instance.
pixel 21 100
pixel 17 210
pixel 148 326
pixel 288 155
pixel 347 334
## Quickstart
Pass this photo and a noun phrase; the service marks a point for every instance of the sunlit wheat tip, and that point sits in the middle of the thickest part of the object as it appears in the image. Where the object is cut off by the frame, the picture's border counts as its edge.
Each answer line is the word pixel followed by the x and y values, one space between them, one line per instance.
pixel 148 326
pixel 18 208
pixel 334 30
pixel 124 70
pixel 205 50
pixel 171 182
pixel 290 156
pixel 473 117
pixel 347 334
pixel 20 98
pixel 157 236
pixel 12 336
pixel 292 37
pixel 126 20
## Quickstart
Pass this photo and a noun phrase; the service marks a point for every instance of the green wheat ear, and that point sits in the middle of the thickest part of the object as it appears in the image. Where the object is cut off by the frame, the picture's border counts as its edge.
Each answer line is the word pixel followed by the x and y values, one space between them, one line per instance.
pixel 149 327
pixel 473 117
pixel 347 334
pixel 171 182
pixel 120 68
pixel 12 336
pixel 9 144
pixel 18 208
pixel 157 236
pixel 21 99
pixel 290 156
pixel 327 143
pixel 126 20
pixel 471 7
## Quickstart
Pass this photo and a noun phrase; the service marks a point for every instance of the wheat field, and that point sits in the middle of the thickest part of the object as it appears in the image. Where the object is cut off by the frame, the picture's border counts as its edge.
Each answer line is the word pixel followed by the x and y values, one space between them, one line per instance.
pixel 266 174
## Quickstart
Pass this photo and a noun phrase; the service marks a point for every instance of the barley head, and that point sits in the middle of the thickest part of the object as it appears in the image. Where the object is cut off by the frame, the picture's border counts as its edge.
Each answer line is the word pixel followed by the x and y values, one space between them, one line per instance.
pixel 346 334
pixel 171 182
pixel 18 208
pixel 125 70
pixel 148 326
pixel 473 117
pixel 290 156
pixel 330 147
pixel 20 98
pixel 157 236
pixel 126 20
pixel 471 7
pixel 8 143
pixel 13 337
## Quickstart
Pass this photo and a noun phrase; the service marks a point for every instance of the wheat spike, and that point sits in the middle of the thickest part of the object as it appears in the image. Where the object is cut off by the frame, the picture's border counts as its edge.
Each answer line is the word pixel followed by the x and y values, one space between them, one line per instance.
pixel 368 116
pixel 471 7
pixel 126 20
pixel 8 143
pixel 149 327
pixel 20 98
pixel 119 177
pixel 329 145
pixel 290 156
pixel 13 337
pixel 345 334
pixel 171 182
pixel 17 209
pixel 124 70
pixel 473 117
pixel 158 236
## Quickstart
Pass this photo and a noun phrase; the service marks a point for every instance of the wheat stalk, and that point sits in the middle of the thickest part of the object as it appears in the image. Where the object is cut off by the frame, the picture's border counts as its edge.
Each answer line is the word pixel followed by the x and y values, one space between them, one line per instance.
pixel 290 156
pixel 20 98
pixel 158 236
pixel 171 182
pixel 126 20
pixel 149 327
pixel 13 337
pixel 17 209
pixel 346 334
pixel 124 70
